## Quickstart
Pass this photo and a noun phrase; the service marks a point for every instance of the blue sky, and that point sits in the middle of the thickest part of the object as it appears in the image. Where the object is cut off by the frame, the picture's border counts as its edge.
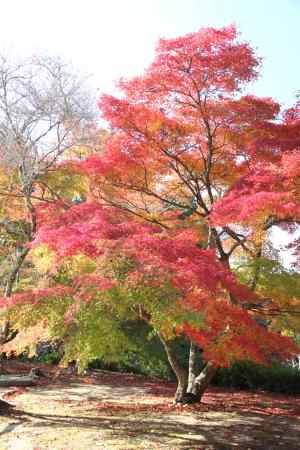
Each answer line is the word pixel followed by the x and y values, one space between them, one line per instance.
pixel 114 38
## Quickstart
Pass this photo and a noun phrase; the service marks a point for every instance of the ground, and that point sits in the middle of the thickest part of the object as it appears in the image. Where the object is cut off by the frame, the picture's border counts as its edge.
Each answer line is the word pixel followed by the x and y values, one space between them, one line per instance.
pixel 114 411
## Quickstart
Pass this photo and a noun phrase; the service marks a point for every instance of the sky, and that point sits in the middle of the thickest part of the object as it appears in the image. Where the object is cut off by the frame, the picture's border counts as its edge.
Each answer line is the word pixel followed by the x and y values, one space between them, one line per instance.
pixel 114 38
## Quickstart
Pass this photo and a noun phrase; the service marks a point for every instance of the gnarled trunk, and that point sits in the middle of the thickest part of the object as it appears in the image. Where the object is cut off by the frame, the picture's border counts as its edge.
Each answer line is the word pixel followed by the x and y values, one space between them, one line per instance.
pixel 202 381
pixel 191 386
pixel 180 372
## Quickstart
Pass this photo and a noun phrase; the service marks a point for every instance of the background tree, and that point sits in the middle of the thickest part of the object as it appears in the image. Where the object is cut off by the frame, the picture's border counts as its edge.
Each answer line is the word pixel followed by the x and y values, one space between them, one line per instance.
pixel 46 109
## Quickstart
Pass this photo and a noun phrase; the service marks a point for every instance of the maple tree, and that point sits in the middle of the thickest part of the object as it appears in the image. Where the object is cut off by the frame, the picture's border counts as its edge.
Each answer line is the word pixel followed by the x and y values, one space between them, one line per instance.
pixel 142 271
pixel 176 226
pixel 186 139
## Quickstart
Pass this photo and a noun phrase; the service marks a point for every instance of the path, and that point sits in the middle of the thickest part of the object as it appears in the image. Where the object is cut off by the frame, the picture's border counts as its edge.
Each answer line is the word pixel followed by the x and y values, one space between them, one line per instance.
pixel 73 415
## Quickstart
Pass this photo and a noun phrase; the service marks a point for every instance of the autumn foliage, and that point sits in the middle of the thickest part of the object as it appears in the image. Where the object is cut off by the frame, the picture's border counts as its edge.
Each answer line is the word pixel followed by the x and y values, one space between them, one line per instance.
pixel 174 223
pixel 197 282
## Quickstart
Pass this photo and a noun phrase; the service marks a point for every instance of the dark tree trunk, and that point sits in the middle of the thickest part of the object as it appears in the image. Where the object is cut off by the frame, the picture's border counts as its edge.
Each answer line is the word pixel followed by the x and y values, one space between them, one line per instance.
pixel 14 271
pixel 8 291
pixel 3 335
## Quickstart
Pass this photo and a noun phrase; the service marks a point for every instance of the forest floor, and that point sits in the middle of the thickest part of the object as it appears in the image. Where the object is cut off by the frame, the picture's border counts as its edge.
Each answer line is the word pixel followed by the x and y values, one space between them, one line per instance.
pixel 116 411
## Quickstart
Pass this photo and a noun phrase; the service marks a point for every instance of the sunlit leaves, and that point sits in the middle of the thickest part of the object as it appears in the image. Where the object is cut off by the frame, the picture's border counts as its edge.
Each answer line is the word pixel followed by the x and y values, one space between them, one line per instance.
pixel 156 224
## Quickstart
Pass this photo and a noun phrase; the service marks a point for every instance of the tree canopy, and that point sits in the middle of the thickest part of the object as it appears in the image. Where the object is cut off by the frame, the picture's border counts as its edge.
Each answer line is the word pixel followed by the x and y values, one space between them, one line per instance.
pixel 174 214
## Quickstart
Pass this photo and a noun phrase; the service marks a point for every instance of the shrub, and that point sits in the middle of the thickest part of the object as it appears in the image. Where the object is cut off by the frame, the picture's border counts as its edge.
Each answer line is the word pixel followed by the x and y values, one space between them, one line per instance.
pixel 53 357
pixel 279 377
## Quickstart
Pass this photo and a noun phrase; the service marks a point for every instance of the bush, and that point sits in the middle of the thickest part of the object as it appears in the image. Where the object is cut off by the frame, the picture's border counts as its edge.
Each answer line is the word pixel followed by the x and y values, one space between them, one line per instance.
pixel 49 352
pixel 133 362
pixel 247 375
pixel 149 357
pixel 150 361
pixel 53 357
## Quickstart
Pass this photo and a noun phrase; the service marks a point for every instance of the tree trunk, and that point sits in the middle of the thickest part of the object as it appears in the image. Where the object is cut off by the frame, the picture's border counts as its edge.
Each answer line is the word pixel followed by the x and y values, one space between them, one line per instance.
pixel 8 291
pixel 190 387
pixel 3 335
pixel 180 372
pixel 203 380
pixel 193 366
pixel 14 271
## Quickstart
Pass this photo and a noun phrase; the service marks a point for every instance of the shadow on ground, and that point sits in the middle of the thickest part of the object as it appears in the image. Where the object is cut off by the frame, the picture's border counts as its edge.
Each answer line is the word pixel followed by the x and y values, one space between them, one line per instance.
pixel 173 431
pixel 125 412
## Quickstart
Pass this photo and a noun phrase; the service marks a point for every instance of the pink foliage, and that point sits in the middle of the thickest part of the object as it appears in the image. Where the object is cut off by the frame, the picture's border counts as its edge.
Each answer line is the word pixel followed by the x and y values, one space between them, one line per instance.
pixel 271 189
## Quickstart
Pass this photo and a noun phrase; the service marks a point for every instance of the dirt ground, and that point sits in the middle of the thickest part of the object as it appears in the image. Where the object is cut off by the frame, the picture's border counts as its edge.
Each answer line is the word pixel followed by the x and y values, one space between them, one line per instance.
pixel 105 410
